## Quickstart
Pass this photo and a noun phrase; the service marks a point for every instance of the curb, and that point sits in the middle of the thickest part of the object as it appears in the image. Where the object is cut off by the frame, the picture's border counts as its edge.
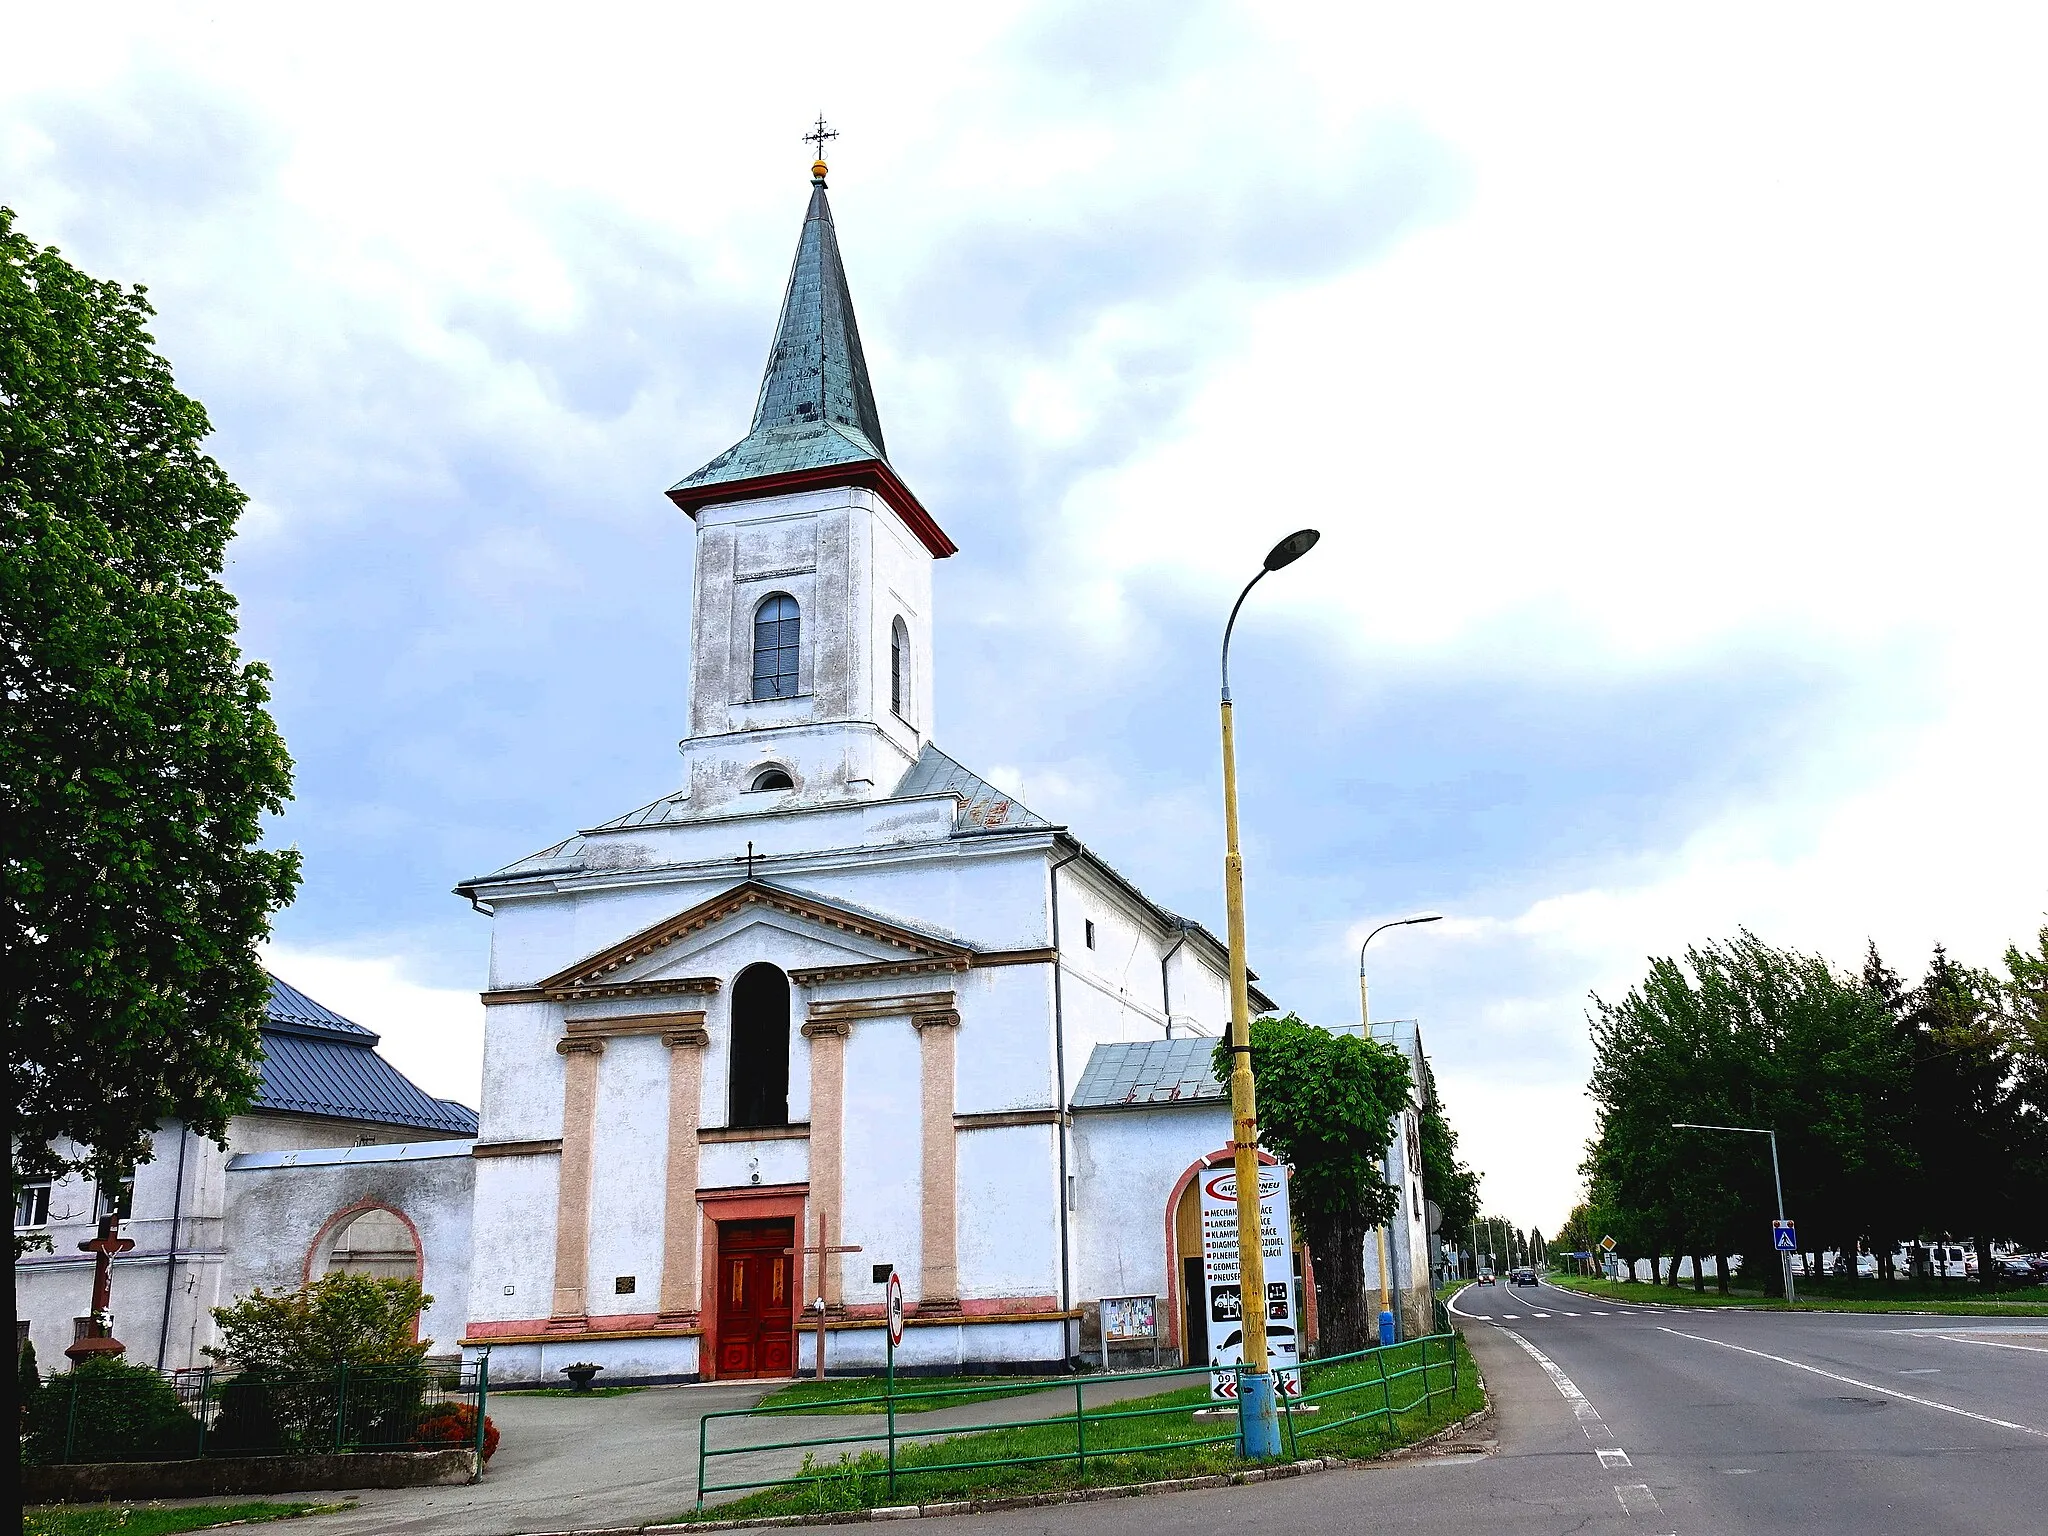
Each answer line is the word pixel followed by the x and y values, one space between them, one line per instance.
pixel 934 1511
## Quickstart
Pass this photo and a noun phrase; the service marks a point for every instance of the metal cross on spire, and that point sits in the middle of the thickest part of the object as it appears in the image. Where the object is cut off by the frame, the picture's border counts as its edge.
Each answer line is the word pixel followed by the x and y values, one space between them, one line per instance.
pixel 818 136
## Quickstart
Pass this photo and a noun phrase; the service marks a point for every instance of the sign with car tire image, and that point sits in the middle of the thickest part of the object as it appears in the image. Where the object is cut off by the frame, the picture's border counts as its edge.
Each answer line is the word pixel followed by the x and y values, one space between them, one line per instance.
pixel 1225 1297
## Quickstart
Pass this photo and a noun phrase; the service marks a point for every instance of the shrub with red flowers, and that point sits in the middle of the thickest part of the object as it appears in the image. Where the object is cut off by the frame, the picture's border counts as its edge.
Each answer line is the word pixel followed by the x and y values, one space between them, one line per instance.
pixel 455 1424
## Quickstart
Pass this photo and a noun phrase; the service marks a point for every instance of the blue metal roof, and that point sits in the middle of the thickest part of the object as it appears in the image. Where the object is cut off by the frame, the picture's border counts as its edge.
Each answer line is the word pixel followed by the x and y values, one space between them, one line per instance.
pixel 315 1062
pixel 1134 1074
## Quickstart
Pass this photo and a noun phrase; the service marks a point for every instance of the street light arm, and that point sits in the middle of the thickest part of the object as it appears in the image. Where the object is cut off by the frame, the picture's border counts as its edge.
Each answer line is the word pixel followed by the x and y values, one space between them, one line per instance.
pixel 1227 628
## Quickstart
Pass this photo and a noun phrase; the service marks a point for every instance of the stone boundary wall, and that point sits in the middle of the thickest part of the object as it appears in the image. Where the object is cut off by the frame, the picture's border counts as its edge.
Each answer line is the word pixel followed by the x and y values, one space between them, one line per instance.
pixel 96 1482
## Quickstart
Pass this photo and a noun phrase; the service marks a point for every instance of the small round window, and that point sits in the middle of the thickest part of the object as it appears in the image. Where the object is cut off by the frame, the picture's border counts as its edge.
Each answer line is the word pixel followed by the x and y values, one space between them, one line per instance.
pixel 772 778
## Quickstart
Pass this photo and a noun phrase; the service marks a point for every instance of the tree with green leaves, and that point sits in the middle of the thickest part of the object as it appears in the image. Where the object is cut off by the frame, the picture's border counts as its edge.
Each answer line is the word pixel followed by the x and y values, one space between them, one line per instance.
pixel 1740 1033
pixel 1327 1104
pixel 137 758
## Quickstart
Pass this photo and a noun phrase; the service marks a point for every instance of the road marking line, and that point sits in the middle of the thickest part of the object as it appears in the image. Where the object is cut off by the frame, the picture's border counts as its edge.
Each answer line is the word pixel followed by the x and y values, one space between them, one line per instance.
pixel 1613 1456
pixel 1564 1384
pixel 1924 1402
pixel 1515 1315
pixel 1539 1314
pixel 1925 1370
pixel 1636 1499
pixel 1571 1314
pixel 2032 1349
pixel 1603 1314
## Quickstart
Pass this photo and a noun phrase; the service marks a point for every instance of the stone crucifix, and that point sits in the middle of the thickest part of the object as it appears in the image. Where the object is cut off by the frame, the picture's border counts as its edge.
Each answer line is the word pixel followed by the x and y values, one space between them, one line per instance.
pixel 101 1340
pixel 822 1249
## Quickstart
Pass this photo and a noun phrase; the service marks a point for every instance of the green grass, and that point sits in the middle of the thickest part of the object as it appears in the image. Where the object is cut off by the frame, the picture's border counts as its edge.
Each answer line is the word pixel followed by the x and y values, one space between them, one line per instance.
pixel 830 1395
pixel 154 1519
pixel 1830 1294
pixel 1142 1440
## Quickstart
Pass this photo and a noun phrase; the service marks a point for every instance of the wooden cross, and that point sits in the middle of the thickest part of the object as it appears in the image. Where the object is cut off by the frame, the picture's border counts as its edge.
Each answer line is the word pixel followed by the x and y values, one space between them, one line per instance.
pixel 102 1248
pixel 821 1248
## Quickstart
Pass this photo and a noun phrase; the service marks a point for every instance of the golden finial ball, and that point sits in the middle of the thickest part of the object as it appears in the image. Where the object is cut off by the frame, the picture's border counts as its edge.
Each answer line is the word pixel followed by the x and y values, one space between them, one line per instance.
pixel 818 169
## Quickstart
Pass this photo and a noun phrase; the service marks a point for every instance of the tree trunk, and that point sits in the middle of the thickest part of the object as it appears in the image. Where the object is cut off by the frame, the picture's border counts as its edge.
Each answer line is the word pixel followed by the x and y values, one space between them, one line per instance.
pixel 1987 1272
pixel 1699 1278
pixel 1346 1319
pixel 1721 1273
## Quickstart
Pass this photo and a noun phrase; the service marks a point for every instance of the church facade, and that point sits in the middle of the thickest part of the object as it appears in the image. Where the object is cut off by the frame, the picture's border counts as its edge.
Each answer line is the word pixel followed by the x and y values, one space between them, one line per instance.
pixel 836 984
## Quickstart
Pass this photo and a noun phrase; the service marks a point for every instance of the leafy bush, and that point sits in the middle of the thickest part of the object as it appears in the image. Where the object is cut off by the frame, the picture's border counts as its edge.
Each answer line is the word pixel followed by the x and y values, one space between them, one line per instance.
pixel 455 1424
pixel 340 1319
pixel 108 1410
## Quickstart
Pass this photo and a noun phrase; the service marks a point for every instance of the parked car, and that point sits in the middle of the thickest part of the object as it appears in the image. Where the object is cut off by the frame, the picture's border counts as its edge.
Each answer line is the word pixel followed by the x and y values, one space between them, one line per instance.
pixel 1522 1276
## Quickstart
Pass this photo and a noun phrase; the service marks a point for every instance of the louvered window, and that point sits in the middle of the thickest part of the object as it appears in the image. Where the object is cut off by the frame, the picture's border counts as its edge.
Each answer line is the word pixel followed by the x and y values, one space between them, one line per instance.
pixel 776 630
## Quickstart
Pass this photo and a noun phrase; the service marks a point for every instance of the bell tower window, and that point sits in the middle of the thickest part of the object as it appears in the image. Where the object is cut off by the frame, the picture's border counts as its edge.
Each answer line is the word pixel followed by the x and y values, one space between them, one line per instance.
pixel 777 626
pixel 899 670
pixel 760 1047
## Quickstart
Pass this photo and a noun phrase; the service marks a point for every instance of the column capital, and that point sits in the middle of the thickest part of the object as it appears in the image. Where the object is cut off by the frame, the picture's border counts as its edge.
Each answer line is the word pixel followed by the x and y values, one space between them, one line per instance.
pixel 688 1036
pixel 839 1028
pixel 580 1045
pixel 946 1019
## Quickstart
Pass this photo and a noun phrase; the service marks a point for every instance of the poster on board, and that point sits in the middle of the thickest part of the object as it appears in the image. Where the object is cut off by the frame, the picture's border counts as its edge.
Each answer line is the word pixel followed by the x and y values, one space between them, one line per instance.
pixel 1225 1297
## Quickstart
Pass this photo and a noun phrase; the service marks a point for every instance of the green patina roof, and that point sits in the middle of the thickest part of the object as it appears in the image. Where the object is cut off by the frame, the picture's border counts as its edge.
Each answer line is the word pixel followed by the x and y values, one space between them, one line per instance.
pixel 817 408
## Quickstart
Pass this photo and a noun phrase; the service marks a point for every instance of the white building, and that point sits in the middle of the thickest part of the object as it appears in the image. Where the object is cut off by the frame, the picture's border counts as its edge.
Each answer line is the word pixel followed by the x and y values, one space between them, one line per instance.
pixel 834 976
pixel 340 1162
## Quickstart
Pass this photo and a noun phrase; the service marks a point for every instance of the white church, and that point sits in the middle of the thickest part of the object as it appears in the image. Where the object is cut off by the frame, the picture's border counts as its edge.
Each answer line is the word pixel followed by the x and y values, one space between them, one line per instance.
pixel 834 983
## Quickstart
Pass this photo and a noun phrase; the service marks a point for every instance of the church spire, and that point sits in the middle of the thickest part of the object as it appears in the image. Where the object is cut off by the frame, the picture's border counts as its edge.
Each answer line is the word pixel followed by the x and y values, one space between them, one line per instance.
pixel 815 421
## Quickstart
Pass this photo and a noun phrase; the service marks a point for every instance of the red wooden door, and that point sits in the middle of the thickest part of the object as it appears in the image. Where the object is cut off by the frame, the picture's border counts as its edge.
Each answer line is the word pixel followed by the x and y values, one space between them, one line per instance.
pixel 756 1299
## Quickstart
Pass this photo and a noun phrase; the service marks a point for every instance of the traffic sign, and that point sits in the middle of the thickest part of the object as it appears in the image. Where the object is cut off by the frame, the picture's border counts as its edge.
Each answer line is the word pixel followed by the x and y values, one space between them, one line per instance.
pixel 1784 1237
pixel 895 1305
pixel 1608 1245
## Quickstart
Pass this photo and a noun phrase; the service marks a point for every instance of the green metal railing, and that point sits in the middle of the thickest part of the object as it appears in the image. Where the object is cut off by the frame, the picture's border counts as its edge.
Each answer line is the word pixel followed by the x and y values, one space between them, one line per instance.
pixel 887 1402
pixel 1374 1370
pixel 1392 1372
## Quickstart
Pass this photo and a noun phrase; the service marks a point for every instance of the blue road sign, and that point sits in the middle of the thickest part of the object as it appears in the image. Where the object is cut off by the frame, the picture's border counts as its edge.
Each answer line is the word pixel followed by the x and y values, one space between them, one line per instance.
pixel 1784 1237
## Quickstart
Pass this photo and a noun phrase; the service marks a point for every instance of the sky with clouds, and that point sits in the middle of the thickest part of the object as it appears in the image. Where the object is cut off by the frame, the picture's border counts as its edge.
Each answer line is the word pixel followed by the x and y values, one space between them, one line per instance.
pixel 1668 388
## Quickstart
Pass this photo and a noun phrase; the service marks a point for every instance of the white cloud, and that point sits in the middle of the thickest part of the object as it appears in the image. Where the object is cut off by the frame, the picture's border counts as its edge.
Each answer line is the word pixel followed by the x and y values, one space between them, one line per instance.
pixel 434 1035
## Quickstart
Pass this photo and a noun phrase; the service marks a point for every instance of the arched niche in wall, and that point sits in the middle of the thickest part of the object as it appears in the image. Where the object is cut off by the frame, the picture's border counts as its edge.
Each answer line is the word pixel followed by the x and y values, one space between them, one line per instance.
pixel 760 1048
pixel 371 1240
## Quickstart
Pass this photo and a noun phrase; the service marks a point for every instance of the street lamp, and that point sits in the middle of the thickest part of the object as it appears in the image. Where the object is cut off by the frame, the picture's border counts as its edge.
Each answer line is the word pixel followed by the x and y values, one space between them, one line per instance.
pixel 1364 1012
pixel 1387 1157
pixel 1785 1259
pixel 1258 1421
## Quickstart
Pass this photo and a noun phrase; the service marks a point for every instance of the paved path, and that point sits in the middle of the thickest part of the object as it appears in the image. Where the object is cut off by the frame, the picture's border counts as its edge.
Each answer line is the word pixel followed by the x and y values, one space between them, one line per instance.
pixel 566 1462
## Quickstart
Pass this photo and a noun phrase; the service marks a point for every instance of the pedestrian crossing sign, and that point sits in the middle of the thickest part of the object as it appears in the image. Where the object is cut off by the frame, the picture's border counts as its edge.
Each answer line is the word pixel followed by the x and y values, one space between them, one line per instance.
pixel 1784 1237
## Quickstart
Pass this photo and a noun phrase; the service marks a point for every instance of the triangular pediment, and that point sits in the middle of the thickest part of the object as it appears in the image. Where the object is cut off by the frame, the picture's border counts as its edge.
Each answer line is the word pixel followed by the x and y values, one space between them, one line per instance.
pixel 656 960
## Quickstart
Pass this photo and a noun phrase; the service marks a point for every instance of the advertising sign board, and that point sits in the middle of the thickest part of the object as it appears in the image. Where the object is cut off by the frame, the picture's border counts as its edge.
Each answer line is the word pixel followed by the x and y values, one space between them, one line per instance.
pixel 1225 1297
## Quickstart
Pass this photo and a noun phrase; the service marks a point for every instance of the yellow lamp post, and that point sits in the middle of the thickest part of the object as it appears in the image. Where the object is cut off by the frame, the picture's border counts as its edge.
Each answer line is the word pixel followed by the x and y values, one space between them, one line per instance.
pixel 1257 1418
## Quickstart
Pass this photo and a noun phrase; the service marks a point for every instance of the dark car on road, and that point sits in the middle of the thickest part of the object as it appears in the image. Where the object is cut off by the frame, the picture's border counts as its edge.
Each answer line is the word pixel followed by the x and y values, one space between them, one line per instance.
pixel 1523 1276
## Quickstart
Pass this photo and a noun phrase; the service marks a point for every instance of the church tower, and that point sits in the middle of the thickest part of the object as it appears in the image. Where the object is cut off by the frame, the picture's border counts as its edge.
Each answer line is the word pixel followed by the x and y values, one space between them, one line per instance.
pixel 811 629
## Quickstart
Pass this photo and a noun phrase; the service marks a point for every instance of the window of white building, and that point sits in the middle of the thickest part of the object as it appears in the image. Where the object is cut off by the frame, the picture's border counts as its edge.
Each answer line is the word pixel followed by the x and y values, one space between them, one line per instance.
pixel 777 628
pixel 32 1205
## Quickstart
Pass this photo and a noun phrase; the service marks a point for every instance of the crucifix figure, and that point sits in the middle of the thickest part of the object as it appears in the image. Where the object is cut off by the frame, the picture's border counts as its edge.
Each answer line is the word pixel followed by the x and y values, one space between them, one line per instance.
pixel 101 1340
pixel 821 1248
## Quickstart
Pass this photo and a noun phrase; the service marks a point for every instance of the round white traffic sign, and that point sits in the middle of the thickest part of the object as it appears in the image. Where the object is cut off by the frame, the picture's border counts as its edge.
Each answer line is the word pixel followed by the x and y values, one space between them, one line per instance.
pixel 895 1305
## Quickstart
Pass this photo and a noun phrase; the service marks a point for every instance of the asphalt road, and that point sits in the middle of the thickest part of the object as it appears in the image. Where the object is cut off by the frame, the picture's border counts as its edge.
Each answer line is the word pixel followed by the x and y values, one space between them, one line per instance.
pixel 1650 1421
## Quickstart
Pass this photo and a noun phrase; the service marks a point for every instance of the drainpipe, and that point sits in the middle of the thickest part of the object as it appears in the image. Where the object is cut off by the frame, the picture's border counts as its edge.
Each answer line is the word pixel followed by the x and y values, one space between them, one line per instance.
pixel 1166 982
pixel 163 1334
pixel 1059 1051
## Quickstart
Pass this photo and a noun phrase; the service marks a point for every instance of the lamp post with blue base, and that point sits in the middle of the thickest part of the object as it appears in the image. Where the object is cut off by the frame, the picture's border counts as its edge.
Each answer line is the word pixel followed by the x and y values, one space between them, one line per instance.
pixel 1258 1419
